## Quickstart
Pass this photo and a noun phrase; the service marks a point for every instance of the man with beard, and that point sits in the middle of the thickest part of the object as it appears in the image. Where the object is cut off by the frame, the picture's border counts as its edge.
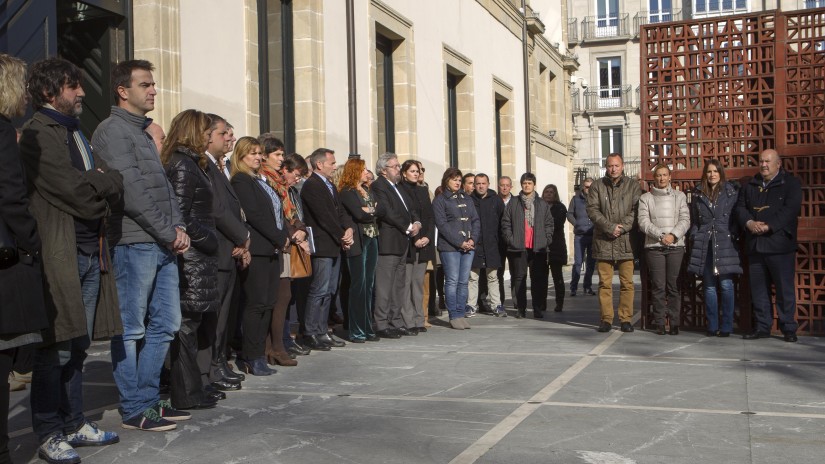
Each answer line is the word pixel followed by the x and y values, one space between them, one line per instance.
pixel 70 190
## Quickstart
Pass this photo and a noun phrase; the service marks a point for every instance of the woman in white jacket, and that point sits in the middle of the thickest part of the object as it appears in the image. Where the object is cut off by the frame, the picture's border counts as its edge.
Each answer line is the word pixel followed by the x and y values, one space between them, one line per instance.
pixel 664 218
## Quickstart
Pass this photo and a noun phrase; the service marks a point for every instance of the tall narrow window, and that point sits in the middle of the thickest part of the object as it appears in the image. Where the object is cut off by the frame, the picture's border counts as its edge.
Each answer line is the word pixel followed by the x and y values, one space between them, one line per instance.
pixel 610 82
pixel 607 18
pixel 452 117
pixel 611 141
pixel 277 63
pixel 500 102
pixel 660 11
pixel 386 98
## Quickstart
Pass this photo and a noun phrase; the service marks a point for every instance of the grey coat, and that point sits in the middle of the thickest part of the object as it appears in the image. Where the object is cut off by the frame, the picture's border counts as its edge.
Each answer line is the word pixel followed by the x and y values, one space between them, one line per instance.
pixel 577 215
pixel 609 205
pixel 59 193
pixel 149 209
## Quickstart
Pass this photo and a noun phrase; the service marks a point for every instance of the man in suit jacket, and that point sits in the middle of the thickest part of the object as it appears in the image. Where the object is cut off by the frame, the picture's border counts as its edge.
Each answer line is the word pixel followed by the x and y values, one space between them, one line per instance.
pixel 396 224
pixel 233 240
pixel 332 231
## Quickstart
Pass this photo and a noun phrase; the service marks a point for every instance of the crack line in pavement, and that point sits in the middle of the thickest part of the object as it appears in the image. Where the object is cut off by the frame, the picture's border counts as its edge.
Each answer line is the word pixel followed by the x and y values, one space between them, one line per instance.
pixel 498 432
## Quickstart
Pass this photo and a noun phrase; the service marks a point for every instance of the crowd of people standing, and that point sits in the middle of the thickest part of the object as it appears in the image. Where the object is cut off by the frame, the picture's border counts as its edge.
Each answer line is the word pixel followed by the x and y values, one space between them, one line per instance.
pixel 187 247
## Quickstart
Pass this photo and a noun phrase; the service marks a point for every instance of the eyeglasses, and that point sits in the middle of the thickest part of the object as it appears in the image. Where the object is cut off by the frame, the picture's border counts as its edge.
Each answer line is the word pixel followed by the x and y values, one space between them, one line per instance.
pixel 395 166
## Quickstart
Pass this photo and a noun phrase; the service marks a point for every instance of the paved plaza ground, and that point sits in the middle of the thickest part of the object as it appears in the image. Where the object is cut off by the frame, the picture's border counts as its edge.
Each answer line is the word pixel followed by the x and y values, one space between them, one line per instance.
pixel 508 391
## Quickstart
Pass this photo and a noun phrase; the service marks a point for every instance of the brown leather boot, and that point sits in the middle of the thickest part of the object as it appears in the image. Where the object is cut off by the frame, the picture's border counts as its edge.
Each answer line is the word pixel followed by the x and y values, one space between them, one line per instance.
pixel 280 359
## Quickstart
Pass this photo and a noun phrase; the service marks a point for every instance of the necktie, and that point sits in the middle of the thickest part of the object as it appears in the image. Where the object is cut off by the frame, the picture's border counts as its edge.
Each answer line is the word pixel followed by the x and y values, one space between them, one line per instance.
pixel 222 165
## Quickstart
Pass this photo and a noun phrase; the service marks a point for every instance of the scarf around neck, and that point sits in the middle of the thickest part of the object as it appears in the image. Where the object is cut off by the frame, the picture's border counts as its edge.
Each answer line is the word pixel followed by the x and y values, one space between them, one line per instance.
pixel 76 141
pixel 529 207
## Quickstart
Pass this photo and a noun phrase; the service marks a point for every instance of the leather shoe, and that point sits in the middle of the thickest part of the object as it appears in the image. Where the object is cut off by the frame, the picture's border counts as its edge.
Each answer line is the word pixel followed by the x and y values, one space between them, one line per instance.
pixel 755 335
pixel 357 340
pixel 315 342
pixel 724 334
pixel 403 331
pixel 226 385
pixel 373 338
pixel 212 392
pixel 627 327
pixel 605 327
pixel 331 341
pixel 791 337
pixel 298 350
pixel 660 329
pixel 712 333
pixel 538 314
pixel 388 333
pixel 674 330
pixel 421 329
pixel 207 403
pixel 229 374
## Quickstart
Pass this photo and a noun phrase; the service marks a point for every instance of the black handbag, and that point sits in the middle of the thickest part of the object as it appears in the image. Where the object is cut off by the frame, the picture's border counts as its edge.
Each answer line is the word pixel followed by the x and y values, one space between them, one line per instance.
pixel 8 247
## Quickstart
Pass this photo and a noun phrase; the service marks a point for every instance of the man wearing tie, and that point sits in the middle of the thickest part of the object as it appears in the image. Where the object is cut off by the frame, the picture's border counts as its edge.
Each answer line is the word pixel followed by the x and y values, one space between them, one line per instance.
pixel 396 224
pixel 233 242
pixel 332 231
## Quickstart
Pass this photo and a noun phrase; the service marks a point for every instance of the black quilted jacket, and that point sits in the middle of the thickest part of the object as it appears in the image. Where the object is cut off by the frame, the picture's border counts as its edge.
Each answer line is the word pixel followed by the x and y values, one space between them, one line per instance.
pixel 198 267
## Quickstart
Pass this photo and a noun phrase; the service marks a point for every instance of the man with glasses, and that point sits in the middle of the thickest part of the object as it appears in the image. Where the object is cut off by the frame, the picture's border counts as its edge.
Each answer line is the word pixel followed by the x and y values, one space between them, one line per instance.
pixel 397 222
pixel 583 239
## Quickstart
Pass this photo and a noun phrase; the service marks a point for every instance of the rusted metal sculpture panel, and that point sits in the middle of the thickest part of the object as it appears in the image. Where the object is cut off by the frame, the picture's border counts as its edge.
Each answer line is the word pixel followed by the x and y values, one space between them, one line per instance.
pixel 728 88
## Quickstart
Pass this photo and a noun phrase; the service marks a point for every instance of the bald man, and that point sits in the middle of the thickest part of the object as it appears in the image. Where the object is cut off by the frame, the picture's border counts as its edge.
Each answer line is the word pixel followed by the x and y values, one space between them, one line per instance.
pixel 768 211
pixel 157 134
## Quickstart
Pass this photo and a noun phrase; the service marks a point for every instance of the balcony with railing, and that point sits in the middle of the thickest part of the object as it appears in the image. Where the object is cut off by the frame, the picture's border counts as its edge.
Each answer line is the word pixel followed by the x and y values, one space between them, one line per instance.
pixel 610 98
pixel 575 101
pixel 605 29
pixel 644 18
pixel 573 31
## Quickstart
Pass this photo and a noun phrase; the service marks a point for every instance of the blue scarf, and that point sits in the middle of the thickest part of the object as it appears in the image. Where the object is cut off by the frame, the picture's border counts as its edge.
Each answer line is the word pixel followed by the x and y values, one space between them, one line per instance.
pixel 79 147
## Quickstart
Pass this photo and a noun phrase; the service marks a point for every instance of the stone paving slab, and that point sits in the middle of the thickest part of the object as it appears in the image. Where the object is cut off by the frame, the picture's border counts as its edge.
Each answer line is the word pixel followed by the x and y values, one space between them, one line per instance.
pixel 508 391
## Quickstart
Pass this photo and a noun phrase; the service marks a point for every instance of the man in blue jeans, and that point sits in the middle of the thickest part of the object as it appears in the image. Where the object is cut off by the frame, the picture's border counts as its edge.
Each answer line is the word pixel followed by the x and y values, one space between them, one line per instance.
pixel 70 190
pixel 147 232
pixel 583 240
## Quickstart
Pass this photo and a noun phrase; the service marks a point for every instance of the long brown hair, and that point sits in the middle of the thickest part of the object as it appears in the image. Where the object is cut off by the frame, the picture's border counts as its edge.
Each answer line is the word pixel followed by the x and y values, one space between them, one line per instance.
pixel 187 131
pixel 712 192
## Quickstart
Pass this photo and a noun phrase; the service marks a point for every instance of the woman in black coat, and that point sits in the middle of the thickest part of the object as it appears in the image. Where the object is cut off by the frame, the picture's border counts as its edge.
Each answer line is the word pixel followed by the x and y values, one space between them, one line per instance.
pixel 557 250
pixel 713 254
pixel 269 238
pixel 22 310
pixel 421 248
pixel 184 159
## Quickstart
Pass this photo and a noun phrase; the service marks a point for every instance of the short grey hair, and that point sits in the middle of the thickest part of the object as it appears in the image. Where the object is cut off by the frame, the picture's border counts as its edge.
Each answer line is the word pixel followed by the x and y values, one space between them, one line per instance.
pixel 588 179
pixel 383 160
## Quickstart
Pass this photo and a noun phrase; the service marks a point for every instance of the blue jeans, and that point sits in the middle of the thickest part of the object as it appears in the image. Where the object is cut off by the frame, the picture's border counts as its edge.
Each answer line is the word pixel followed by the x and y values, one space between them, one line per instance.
pixel 57 375
pixel 325 274
pixel 710 282
pixel 457 266
pixel 583 253
pixel 147 287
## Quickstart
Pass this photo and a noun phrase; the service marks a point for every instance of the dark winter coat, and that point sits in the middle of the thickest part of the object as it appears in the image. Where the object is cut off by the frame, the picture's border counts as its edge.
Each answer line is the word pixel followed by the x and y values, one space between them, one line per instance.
pixel 713 225
pixel 198 267
pixel 394 217
pixel 778 205
pixel 423 208
pixel 457 220
pixel 490 208
pixel 59 194
pixel 577 215
pixel 512 225
pixel 609 205
pixel 557 250
pixel 22 310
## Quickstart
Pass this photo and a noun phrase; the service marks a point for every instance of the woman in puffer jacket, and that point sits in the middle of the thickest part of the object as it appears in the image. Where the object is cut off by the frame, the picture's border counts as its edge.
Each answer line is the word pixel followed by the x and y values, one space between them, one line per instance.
pixel 713 255
pixel 664 219
pixel 184 159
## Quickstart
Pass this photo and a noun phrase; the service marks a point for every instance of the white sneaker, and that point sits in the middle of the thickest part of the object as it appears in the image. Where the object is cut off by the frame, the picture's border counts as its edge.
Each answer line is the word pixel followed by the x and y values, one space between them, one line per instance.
pixel 90 435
